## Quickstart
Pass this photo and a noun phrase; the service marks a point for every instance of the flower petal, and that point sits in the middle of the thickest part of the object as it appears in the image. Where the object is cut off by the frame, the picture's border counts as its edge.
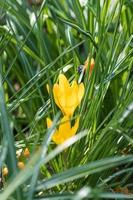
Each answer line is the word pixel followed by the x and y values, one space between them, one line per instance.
pixel 63 83
pixel 65 126
pixel 64 86
pixel 74 94
pixel 49 122
pixel 72 100
pixel 75 127
pixel 56 137
pixel 56 93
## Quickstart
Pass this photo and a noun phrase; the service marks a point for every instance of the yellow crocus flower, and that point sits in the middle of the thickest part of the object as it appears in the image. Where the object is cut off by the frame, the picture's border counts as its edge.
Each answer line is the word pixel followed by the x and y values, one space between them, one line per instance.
pixel 65 131
pixel 67 97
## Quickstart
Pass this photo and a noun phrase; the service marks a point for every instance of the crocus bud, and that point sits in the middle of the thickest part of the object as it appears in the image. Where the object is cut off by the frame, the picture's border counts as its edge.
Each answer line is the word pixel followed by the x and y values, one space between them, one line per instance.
pixel 26 153
pixel 5 171
pixel 21 165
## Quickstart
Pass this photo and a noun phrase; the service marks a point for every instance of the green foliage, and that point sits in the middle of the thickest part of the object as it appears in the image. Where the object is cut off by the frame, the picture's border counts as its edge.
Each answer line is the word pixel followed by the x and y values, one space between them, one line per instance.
pixel 37 42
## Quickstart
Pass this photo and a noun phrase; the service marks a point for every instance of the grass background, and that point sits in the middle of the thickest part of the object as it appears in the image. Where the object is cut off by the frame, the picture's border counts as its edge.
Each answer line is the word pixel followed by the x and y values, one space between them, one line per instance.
pixel 37 42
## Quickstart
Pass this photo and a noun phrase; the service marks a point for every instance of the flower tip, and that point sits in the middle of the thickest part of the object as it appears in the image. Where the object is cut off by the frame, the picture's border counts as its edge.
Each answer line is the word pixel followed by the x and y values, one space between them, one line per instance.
pixel 61 76
pixel 76 126
pixel 63 80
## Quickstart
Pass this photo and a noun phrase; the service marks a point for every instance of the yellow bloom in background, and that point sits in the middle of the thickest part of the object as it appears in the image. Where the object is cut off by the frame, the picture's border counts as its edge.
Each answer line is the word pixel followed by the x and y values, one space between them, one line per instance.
pixel 67 97
pixel 65 131
pixel 26 152
pixel 21 165
pixel 5 171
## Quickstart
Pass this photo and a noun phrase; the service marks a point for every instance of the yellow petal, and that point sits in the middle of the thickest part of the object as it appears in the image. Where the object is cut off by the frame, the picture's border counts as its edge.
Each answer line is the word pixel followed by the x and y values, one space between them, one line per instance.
pixel 71 100
pixel 59 136
pixel 74 85
pixel 59 97
pixel 75 127
pixel 63 83
pixel 65 131
pixel 69 111
pixel 81 91
pixel 49 122
pixel 65 126
pixel 56 137
pixel 56 93
pixel 62 98
pixel 65 89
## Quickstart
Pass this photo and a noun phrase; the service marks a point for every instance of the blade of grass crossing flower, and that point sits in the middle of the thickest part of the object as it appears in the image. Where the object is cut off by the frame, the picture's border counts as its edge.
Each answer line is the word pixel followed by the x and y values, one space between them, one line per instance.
pixel 42 157
pixel 78 172
pixel 28 170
